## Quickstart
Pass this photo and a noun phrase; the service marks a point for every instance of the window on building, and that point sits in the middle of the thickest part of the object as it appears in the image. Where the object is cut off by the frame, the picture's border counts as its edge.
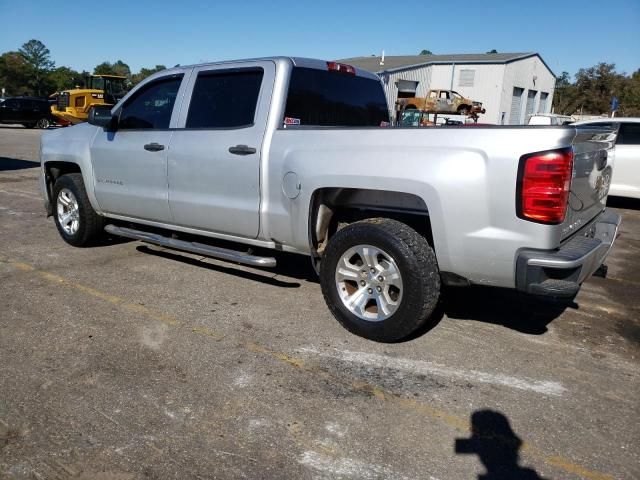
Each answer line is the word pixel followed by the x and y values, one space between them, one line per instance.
pixel 151 106
pixel 225 98
pixel 467 78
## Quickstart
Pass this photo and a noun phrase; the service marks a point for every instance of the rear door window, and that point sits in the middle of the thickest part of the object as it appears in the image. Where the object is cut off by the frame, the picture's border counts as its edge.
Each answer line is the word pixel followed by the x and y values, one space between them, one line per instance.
pixel 225 98
pixel 334 99
pixel 151 106
pixel 629 134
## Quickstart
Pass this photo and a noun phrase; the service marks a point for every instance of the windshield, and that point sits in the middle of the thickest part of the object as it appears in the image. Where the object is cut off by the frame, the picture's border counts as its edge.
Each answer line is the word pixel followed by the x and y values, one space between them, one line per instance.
pixel 111 86
pixel 114 86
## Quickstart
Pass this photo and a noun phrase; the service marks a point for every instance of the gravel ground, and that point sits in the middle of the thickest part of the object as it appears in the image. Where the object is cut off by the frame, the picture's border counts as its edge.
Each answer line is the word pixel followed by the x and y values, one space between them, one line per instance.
pixel 127 361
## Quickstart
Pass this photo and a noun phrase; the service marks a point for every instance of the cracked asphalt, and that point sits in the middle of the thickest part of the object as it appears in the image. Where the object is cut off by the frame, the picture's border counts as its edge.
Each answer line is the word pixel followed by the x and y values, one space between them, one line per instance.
pixel 127 361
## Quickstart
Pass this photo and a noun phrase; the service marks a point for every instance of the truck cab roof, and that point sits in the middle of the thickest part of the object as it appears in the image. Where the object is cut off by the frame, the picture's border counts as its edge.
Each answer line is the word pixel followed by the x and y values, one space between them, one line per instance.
pixel 294 61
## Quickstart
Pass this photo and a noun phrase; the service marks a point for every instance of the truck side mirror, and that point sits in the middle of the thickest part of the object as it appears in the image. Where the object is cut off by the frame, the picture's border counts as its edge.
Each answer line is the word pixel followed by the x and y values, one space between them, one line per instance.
pixel 100 115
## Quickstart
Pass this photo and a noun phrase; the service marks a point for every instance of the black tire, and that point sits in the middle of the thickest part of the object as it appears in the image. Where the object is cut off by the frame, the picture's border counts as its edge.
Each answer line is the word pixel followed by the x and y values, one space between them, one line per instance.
pixel 43 123
pixel 91 224
pixel 416 262
pixel 463 110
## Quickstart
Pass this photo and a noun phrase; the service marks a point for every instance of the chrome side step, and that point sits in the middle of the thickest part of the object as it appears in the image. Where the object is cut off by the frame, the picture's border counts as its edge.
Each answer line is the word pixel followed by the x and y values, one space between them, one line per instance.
pixel 192 247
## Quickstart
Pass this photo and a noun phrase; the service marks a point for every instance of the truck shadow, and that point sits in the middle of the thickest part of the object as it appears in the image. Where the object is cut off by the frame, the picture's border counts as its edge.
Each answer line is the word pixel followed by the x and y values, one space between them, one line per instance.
pixel 623 202
pixel 500 306
pixel 497 446
pixel 496 306
pixel 7 164
pixel 262 275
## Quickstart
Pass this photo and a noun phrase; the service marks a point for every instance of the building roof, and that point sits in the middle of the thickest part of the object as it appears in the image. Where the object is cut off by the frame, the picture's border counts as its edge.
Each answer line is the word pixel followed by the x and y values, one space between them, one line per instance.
pixel 403 62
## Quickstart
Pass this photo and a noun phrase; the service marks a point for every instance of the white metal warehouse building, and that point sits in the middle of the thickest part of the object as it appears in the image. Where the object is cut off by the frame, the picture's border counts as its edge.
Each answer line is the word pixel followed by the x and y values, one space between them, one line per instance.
pixel 511 86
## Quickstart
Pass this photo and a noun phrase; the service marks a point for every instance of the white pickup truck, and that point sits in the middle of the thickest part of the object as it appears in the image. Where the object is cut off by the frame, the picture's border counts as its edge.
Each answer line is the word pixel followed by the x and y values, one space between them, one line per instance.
pixel 296 155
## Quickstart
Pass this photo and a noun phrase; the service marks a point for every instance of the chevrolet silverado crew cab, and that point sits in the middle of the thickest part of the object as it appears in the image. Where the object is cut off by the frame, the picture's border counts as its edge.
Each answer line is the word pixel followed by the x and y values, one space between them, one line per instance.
pixel 296 155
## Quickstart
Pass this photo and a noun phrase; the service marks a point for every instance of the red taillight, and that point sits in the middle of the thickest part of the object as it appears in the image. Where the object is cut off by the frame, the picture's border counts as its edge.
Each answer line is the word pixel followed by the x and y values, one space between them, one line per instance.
pixel 545 181
pixel 341 67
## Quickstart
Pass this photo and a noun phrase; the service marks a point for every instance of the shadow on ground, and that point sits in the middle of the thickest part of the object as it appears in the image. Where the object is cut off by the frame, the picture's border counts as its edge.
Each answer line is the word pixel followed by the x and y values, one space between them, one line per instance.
pixel 497 446
pixel 16 164
pixel 501 306
pixel 623 202
pixel 484 304
pixel 268 277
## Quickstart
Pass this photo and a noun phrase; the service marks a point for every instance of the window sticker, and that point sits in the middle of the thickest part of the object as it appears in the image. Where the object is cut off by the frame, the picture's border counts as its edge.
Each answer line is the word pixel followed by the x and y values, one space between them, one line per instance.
pixel 291 121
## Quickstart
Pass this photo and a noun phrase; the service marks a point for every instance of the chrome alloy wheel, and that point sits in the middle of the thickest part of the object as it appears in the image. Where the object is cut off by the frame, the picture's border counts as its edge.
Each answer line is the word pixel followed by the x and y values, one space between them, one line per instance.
pixel 68 211
pixel 369 282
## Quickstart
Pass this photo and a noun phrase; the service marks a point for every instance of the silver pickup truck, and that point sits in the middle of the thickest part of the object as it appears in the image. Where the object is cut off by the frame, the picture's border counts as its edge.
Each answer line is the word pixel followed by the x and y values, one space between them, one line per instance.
pixel 297 155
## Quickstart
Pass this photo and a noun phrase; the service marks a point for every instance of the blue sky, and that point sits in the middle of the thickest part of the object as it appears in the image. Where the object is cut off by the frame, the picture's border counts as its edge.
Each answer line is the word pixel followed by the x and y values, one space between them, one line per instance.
pixel 568 34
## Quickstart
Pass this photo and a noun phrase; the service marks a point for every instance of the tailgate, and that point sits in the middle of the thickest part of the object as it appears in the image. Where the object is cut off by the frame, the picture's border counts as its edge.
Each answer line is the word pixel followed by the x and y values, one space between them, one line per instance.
pixel 592 166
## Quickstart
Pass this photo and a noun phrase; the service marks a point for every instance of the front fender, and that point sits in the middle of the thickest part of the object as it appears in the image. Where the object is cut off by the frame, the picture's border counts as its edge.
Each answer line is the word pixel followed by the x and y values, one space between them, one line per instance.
pixel 69 145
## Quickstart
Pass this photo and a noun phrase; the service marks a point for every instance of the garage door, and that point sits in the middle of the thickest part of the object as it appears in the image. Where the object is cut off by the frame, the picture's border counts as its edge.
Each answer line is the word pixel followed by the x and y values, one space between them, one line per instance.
pixel 516 106
pixel 542 106
pixel 531 103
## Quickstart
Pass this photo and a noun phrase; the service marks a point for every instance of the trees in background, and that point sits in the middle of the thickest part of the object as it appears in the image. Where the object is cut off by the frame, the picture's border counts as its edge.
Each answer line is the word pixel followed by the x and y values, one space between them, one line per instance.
pixel 593 89
pixel 117 68
pixel 38 65
pixel 31 71
pixel 64 78
pixel 121 68
pixel 14 75
pixel 145 72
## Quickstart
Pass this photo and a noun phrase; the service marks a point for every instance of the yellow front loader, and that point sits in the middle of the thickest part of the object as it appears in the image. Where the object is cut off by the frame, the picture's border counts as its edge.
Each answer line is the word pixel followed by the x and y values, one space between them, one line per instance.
pixel 72 106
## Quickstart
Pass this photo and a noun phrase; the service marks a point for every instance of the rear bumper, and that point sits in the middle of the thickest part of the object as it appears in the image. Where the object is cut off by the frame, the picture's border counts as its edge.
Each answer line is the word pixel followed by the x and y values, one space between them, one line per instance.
pixel 559 273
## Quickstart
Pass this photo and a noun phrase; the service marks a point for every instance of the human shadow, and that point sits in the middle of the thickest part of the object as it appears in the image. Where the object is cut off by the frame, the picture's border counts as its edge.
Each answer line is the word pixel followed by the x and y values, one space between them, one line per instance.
pixel 16 164
pixel 497 446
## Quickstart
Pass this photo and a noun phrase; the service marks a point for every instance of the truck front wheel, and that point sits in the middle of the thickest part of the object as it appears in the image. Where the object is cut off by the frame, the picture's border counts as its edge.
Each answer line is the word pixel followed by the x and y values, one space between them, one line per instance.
pixel 380 279
pixel 77 222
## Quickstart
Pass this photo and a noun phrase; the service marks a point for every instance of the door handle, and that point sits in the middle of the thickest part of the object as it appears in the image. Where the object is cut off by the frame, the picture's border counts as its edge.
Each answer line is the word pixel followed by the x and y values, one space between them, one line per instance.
pixel 154 147
pixel 242 150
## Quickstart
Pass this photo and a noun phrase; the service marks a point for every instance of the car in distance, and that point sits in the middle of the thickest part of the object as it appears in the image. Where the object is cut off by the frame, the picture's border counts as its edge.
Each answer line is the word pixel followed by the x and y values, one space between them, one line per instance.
pixel 549 119
pixel 296 155
pixel 625 181
pixel 28 111
pixel 442 101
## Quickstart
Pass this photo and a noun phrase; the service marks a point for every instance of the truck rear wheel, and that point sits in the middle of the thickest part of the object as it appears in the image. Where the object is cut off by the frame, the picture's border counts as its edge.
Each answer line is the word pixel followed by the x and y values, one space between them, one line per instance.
pixel 380 279
pixel 76 220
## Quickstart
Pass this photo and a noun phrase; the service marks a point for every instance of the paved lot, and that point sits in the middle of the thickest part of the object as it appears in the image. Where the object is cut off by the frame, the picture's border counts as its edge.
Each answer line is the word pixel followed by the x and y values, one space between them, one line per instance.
pixel 131 362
